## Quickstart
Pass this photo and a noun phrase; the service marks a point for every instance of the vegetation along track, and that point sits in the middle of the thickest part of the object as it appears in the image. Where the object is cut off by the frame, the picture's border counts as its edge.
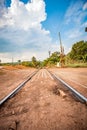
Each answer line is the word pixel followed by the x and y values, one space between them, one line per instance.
pixel 61 90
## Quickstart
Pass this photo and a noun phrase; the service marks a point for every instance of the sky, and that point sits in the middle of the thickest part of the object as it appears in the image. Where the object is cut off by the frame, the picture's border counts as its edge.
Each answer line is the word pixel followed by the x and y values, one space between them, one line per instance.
pixel 31 27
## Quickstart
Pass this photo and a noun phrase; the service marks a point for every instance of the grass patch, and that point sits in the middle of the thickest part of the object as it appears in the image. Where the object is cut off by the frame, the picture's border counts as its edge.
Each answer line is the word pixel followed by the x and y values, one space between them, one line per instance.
pixel 77 65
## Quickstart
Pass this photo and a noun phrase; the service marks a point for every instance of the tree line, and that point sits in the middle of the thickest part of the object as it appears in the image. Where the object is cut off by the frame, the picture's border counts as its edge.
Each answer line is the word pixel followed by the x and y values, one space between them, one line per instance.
pixel 78 53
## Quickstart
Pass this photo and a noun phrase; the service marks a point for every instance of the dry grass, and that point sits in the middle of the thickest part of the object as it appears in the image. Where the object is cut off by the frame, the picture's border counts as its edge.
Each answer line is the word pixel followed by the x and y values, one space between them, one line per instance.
pixel 10 67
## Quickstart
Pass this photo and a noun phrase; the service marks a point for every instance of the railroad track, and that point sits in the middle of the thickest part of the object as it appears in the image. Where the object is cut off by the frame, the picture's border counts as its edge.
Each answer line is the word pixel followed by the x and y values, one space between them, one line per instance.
pixel 79 96
pixel 16 90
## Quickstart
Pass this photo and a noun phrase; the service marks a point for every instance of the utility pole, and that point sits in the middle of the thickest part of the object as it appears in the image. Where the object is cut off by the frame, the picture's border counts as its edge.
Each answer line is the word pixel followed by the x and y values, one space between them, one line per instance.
pixel 49 53
pixel 12 60
pixel 61 52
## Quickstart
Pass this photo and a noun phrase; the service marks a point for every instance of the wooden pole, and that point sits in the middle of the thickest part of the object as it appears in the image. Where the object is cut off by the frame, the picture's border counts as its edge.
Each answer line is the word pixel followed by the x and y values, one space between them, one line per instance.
pixel 61 51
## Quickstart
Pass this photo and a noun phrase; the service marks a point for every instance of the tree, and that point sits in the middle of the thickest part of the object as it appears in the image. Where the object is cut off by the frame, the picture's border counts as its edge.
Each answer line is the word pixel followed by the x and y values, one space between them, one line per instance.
pixel 0 62
pixel 79 51
pixel 27 63
pixel 34 61
pixel 55 57
pixel 19 61
pixel 52 60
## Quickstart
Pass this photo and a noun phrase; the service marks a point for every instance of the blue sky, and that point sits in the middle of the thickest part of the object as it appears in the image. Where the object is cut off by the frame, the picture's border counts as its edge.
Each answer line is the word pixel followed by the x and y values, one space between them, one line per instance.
pixel 57 19
pixel 30 28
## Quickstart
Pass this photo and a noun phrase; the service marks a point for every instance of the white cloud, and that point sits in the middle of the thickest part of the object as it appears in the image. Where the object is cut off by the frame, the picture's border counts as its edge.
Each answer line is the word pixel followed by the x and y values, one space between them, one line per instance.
pixel 74 33
pixel 21 30
pixel 73 8
pixel 75 20
pixel 24 16
pixel 75 13
pixel 84 24
pixel 23 56
pixel 85 6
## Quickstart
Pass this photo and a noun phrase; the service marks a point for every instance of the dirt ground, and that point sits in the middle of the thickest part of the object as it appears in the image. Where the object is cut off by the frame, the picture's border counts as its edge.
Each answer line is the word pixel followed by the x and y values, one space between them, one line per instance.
pixel 38 107
pixel 75 77
pixel 11 77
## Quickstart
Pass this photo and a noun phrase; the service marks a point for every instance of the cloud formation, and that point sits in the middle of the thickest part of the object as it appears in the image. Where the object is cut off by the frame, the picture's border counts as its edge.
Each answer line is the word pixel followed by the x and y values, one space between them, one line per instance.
pixel 24 16
pixel 85 6
pixel 21 29
pixel 22 34
pixel 75 17
pixel 76 12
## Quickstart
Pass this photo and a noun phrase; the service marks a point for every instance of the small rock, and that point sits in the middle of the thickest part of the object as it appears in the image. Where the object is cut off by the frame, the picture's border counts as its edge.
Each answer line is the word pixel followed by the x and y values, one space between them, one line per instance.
pixel 12 126
pixel 62 93
pixel 13 112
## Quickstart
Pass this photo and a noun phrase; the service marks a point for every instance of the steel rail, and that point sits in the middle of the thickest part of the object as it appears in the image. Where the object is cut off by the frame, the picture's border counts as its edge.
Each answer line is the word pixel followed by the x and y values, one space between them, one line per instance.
pixel 75 92
pixel 15 91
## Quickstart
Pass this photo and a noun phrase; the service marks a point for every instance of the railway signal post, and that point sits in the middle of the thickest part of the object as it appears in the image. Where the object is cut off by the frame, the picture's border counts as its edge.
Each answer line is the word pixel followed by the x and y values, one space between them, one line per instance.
pixel 61 52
